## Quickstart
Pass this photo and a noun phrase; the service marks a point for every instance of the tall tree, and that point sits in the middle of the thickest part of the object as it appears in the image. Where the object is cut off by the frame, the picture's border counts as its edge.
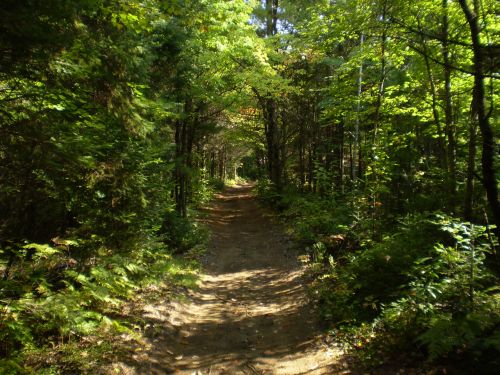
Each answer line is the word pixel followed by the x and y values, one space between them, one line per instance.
pixel 488 137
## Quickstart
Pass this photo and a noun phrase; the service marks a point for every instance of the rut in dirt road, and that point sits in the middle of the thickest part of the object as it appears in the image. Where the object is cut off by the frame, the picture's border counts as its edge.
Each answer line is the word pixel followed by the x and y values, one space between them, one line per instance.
pixel 251 313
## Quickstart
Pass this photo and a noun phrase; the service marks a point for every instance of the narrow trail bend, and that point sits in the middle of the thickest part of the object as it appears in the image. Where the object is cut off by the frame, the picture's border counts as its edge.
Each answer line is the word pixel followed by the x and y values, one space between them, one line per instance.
pixel 250 314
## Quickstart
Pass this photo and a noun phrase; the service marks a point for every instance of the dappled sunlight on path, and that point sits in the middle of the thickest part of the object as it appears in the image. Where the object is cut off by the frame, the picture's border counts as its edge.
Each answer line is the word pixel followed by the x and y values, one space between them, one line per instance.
pixel 250 314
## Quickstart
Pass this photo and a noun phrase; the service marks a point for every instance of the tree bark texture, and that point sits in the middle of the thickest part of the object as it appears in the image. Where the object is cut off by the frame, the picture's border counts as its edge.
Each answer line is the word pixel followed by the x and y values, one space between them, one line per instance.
pixel 488 137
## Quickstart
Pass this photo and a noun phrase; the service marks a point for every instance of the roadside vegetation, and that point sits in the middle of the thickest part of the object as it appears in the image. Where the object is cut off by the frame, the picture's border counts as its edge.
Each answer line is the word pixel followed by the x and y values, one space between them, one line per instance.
pixel 372 126
pixel 422 293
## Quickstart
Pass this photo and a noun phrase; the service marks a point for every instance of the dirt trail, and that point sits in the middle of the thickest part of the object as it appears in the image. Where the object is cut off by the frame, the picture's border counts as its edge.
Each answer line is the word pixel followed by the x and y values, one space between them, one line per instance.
pixel 250 314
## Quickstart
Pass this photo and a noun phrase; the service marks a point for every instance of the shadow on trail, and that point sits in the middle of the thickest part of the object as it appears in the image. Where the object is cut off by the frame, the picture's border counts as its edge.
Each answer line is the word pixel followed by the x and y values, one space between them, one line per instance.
pixel 255 340
pixel 250 314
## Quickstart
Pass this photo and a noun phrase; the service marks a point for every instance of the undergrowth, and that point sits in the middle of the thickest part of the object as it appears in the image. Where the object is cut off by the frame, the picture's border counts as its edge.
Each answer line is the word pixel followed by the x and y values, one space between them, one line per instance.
pixel 65 315
pixel 417 288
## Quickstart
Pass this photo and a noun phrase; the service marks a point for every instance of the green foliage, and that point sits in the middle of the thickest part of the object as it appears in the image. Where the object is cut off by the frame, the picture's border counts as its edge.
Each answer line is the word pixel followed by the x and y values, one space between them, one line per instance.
pixel 424 288
pixel 412 291
pixel 267 193
pixel 372 139
pixel 317 218
pixel 118 119
pixel 217 184
pixel 204 188
pixel 88 302
pixel 182 232
pixel 89 100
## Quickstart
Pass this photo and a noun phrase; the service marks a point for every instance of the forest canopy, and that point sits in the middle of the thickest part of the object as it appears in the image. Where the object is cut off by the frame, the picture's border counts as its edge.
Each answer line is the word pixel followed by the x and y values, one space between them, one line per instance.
pixel 370 126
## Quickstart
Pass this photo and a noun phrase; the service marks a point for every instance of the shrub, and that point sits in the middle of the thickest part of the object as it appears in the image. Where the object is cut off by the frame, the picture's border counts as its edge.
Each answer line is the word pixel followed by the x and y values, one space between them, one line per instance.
pixel 79 301
pixel 425 289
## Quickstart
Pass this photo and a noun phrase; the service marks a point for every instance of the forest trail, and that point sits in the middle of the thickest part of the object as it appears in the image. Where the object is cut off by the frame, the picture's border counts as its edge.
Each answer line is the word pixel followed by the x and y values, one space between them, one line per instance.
pixel 250 314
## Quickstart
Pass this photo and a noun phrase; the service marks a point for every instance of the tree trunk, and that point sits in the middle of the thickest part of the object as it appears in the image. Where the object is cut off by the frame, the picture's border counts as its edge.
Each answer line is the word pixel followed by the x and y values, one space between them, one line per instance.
pixel 448 111
pixel 471 167
pixel 270 109
pixel 212 164
pixel 435 113
pixel 183 142
pixel 302 167
pixel 272 140
pixel 357 143
pixel 341 156
pixel 377 122
pixel 488 138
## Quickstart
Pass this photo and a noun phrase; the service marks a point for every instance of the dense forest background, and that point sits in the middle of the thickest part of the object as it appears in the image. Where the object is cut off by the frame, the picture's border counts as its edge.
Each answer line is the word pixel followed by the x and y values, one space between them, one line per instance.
pixel 371 126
